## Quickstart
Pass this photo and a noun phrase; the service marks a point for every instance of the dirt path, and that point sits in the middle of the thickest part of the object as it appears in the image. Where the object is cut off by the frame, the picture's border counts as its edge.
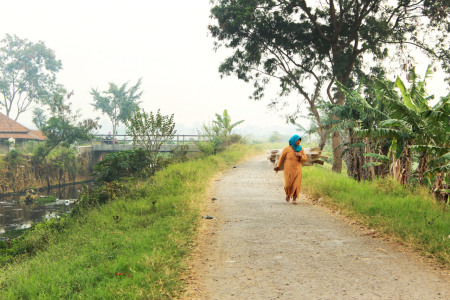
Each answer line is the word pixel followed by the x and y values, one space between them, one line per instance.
pixel 260 247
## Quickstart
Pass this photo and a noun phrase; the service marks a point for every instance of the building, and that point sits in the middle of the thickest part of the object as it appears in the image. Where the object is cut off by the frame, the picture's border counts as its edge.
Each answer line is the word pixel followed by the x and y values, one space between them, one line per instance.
pixel 12 131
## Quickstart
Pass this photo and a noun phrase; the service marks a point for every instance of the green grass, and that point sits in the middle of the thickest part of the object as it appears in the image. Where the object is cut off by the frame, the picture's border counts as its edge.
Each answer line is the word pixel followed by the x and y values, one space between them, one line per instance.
pixel 135 247
pixel 411 216
pixel 46 199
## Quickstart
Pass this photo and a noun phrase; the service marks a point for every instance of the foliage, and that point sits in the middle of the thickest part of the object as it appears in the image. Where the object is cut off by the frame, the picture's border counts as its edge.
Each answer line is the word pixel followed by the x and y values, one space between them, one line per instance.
pixel 405 126
pixel 64 161
pixel 275 137
pixel 93 197
pixel 223 125
pixel 217 135
pixel 32 240
pixel 27 74
pixel 307 46
pixel 63 127
pixel 150 132
pixel 118 102
pixel 180 153
pixel 13 157
pixel 46 199
pixel 122 164
pixel 210 141
pixel 39 118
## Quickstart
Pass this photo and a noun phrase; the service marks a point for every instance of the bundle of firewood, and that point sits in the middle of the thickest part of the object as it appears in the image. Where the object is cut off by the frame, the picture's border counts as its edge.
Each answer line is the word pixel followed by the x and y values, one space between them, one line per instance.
pixel 313 154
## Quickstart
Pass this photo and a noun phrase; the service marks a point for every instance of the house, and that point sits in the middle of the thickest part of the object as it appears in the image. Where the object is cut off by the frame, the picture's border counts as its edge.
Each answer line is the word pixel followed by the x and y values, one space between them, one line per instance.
pixel 10 129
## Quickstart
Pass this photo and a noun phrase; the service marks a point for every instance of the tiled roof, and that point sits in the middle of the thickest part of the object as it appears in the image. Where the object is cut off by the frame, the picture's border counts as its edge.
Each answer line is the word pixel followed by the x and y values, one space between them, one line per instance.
pixel 25 136
pixel 10 128
pixel 9 125
pixel 38 134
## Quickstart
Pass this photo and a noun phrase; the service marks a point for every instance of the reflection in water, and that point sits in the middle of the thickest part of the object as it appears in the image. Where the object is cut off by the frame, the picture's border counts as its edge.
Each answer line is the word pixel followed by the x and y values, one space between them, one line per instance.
pixel 20 215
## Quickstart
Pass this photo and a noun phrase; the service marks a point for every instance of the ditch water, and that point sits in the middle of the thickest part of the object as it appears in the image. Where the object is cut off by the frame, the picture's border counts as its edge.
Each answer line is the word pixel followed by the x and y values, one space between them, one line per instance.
pixel 15 215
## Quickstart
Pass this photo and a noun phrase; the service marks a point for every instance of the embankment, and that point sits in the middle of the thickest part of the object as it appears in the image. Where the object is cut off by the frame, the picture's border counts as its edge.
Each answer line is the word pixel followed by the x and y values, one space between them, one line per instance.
pixel 134 247
pixel 20 173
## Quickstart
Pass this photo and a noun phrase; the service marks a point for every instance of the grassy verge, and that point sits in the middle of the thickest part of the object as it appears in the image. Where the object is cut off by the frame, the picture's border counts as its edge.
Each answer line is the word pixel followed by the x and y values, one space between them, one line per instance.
pixel 411 216
pixel 132 248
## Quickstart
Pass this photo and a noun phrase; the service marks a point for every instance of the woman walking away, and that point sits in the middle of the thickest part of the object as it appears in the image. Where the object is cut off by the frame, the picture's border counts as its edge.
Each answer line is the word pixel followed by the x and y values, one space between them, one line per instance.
pixel 292 156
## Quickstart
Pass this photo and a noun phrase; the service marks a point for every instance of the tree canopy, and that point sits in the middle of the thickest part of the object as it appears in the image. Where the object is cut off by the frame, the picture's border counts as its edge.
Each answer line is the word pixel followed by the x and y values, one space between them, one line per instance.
pixel 63 127
pixel 118 102
pixel 150 131
pixel 301 42
pixel 27 74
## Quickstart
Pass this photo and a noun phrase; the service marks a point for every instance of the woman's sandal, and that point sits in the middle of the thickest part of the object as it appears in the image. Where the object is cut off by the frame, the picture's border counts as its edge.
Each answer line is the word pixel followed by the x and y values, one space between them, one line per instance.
pixel 288 198
pixel 294 201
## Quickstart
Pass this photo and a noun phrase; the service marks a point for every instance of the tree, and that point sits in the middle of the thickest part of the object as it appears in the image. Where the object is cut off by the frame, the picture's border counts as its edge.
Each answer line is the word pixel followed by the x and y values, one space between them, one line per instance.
pixel 321 42
pixel 27 74
pixel 118 103
pixel 275 137
pixel 39 118
pixel 223 124
pixel 407 127
pixel 63 126
pixel 150 131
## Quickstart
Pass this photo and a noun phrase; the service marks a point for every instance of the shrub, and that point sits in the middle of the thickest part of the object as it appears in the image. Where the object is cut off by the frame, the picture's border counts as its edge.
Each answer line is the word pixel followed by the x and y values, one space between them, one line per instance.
pixel 121 164
pixel 13 157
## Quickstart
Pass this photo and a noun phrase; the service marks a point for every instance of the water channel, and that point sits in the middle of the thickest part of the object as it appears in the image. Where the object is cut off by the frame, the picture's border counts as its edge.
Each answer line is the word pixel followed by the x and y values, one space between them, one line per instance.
pixel 17 215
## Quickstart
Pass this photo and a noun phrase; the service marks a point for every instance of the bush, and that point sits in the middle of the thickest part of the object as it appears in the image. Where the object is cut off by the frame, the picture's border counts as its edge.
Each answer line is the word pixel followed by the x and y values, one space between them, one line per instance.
pixel 180 153
pixel 235 138
pixel 212 146
pixel 102 194
pixel 121 164
pixel 13 157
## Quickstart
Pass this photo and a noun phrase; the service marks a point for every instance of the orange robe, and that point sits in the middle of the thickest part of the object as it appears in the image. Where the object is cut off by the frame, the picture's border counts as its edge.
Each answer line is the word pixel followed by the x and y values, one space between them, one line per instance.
pixel 292 170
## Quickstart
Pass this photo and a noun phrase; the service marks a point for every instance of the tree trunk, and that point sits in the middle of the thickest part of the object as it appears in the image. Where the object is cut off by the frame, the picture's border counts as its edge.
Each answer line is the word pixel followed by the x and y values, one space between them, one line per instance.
pixel 323 137
pixel 336 139
pixel 337 152
pixel 423 166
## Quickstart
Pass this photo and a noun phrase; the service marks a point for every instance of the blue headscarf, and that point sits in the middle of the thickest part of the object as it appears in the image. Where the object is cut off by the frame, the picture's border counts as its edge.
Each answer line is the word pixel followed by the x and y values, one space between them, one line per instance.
pixel 294 140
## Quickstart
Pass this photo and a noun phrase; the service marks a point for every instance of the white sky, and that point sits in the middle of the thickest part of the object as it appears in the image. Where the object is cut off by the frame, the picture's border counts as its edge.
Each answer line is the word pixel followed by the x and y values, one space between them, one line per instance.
pixel 164 42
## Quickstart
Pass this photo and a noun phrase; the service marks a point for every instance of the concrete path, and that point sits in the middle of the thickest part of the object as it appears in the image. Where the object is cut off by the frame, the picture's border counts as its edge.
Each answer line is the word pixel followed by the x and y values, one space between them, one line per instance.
pixel 260 247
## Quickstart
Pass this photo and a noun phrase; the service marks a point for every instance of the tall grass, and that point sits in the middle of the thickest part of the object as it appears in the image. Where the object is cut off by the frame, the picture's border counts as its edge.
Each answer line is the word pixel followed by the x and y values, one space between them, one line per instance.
pixel 411 216
pixel 132 248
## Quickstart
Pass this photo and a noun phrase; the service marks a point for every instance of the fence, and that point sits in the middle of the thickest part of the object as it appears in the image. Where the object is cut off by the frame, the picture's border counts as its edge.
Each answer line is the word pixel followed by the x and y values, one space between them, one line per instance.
pixel 108 143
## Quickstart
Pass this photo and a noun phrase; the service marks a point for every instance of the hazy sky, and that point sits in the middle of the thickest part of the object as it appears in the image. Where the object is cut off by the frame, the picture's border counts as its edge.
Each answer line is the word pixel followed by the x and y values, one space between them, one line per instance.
pixel 166 43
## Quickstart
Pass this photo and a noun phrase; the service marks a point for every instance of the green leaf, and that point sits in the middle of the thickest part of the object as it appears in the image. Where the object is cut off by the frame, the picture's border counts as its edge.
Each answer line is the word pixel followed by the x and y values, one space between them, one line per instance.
pixel 381 157
pixel 374 163
pixel 405 94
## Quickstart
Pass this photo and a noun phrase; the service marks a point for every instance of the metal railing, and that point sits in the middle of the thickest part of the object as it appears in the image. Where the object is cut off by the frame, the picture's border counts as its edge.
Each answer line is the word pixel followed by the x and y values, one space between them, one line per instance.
pixel 120 142
pixel 179 139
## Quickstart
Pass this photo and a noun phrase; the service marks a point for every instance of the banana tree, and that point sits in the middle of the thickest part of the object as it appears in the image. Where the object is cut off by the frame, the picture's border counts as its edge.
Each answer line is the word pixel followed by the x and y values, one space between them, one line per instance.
pixel 223 124
pixel 416 130
pixel 363 154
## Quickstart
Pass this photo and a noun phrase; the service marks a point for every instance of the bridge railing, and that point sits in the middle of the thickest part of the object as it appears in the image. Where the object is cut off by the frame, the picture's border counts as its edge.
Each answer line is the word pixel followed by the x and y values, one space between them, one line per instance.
pixel 178 139
pixel 108 142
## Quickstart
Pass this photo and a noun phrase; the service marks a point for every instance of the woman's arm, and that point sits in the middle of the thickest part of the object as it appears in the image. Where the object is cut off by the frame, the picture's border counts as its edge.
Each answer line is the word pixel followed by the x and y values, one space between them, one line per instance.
pixel 303 156
pixel 280 161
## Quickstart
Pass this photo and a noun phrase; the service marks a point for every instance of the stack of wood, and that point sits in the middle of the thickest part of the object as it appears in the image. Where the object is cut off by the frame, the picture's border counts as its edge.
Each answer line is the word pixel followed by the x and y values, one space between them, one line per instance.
pixel 313 154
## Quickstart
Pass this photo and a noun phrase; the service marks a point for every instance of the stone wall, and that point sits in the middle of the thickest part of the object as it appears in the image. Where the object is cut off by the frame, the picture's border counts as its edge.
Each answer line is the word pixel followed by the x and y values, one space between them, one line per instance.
pixel 18 177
